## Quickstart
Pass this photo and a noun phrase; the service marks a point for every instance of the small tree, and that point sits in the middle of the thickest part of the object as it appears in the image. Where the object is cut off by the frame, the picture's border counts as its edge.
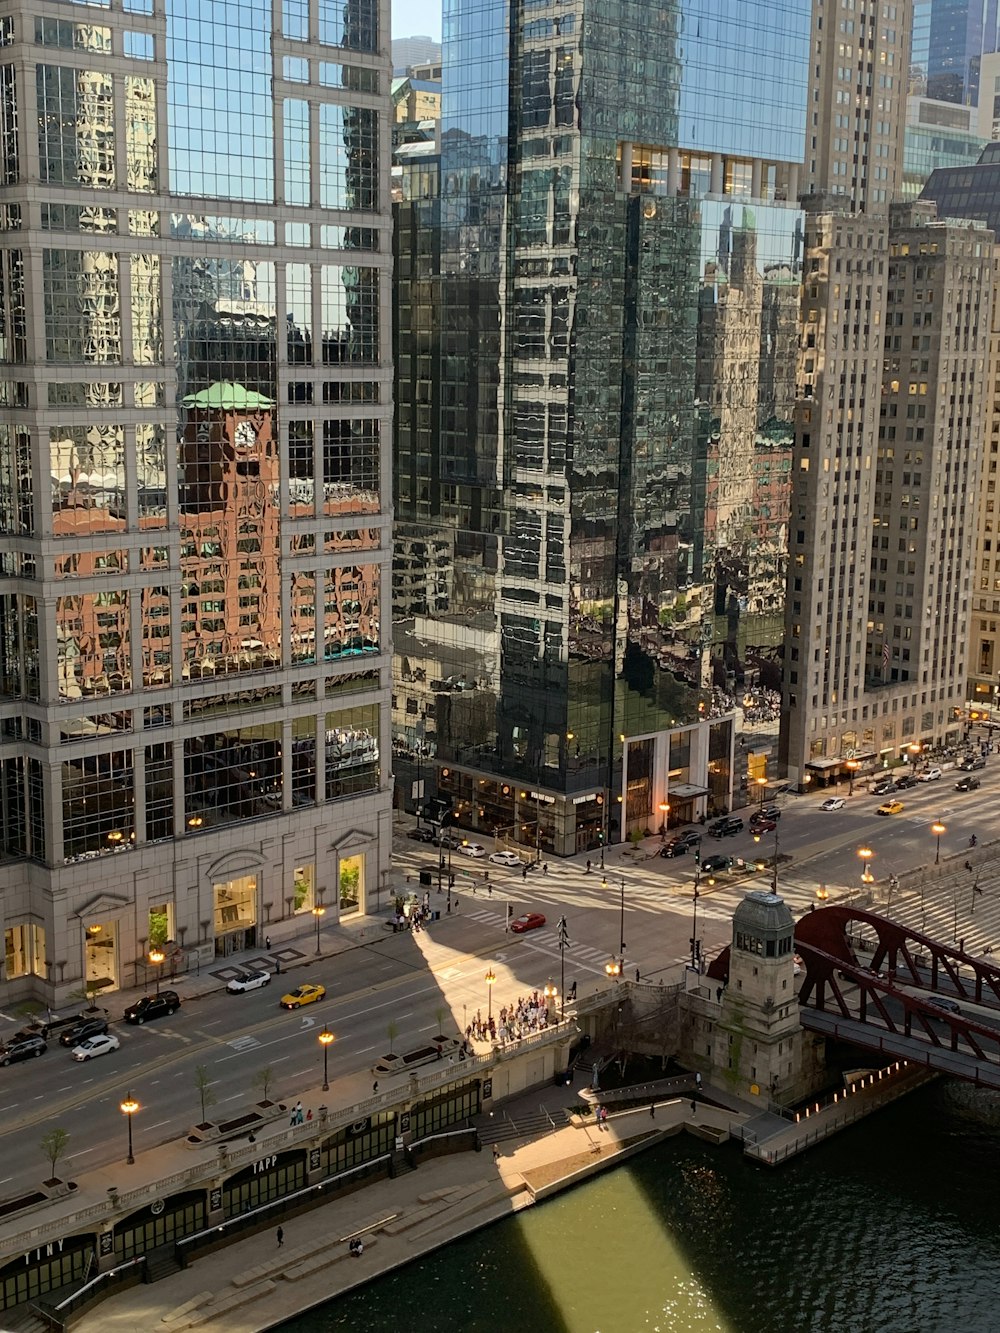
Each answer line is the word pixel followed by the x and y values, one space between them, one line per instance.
pixel 392 1032
pixel 89 991
pixel 263 1080
pixel 203 1082
pixel 53 1145
pixel 440 1013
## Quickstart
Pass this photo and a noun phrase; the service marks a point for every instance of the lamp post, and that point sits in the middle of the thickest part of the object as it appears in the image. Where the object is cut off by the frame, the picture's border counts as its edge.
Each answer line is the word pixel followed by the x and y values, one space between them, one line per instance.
pixel 551 993
pixel 318 912
pixel 664 811
pixel 325 1037
pixel 852 768
pixel 621 924
pixel 822 893
pixel 866 855
pixel 774 867
pixel 563 941
pixel 613 968
pixel 490 980
pixel 156 957
pixel 762 787
pixel 937 828
pixel 128 1109
pixel 694 919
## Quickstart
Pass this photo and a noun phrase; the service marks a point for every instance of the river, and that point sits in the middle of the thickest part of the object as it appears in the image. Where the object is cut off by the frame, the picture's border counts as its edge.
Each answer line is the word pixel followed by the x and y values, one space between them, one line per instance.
pixel 890 1227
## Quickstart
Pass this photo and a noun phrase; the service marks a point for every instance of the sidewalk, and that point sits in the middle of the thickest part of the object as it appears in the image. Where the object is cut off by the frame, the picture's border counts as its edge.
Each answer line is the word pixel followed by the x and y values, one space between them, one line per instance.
pixel 251 1285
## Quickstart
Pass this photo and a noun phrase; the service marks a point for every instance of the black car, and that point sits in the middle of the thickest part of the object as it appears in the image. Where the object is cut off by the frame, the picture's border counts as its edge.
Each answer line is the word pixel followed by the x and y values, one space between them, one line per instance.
pixel 884 787
pixel 86 1027
pixel 967 784
pixel 943 1002
pixel 681 843
pixel 713 863
pixel 725 828
pixel 971 762
pixel 421 834
pixel 905 782
pixel 762 824
pixel 769 812
pixel 153 1006
pixel 22 1046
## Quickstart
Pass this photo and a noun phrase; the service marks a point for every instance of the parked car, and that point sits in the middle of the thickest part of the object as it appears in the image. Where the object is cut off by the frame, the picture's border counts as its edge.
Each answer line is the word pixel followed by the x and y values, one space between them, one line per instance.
pixel 529 921
pixel 883 787
pixel 760 824
pixel 475 849
pixel 95 1046
pixel 904 782
pixel 153 1006
pixel 967 783
pixel 681 843
pixel 251 979
pixel 81 1030
pixel 725 828
pixel 421 834
pixel 770 811
pixel 22 1046
pixel 971 762
pixel 712 864
pixel 505 859
pixel 890 808
pixel 929 775
pixel 833 803
pixel 308 993
pixel 448 839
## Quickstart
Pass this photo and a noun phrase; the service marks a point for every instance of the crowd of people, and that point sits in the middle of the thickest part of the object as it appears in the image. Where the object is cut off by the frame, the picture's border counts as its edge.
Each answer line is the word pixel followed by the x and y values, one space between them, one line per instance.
pixel 512 1022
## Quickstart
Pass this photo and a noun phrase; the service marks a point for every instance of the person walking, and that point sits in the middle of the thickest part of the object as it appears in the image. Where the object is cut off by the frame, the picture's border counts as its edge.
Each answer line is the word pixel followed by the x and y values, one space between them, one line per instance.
pixel 375 1086
pixel 694 1107
pixel 588 867
pixel 281 1237
pixel 267 941
pixel 496 1155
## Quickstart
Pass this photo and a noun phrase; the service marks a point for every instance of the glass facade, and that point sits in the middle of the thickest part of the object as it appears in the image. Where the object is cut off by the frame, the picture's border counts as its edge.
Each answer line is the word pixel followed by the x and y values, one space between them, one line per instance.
pixel 206 408
pixel 596 321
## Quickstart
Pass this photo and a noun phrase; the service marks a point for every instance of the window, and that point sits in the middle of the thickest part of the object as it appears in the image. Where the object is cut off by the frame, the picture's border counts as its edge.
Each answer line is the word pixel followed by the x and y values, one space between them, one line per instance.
pixel 24 951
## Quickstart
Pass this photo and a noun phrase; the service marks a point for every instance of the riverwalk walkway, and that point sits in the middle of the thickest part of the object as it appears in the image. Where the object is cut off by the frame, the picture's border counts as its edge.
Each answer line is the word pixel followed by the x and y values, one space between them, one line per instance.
pixel 254 1284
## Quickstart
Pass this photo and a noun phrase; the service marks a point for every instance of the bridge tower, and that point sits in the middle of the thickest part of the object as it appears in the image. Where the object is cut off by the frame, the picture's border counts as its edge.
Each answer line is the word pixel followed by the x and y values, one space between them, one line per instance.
pixel 759 1046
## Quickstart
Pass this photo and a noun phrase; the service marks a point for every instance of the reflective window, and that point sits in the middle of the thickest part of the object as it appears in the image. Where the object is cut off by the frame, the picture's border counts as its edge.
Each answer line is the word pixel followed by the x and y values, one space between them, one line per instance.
pixel 76 126
pixel 151 476
pixel 243 231
pixel 295 69
pixel 92 630
pixel 76 217
pixel 156 637
pixel 352 77
pixel 348 145
pixel 88 479
pixel 232 775
pixel 298 304
pixel 220 104
pixel 159 766
pixel 351 611
pixel 82 312
pixel 350 314
pixel 304 761
pixel 353 25
pixel 8 126
pixel 13 316
pixel 303 614
pixel 297 167
pixel 73 36
pixel 140 134
pixel 350 467
pixel 295 20
pixel 348 238
pixel 16 499
pixel 352 751
pixel 147 310
pixel 138 45
pixel 301 469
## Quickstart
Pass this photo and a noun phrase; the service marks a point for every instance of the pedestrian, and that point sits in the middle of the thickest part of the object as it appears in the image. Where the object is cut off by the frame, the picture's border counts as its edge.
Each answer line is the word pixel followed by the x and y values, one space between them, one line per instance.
pixel 968 865
pixel 267 941
pixel 545 868
pixel 588 867
pixel 572 991
pixel 281 1237
pixel 299 1116
pixel 309 1115
pixel 251 1137
pixel 375 1086
pixel 489 889
pixel 652 1110
pixel 694 1107
pixel 637 974
pixel 277 967
pixel 524 871
pixel 496 1155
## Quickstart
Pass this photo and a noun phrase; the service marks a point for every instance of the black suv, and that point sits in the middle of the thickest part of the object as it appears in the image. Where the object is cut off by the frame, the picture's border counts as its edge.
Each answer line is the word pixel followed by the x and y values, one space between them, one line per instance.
pixel 967 784
pixel 713 863
pixel 681 843
pixel 769 812
pixel 80 1031
pixel 153 1006
pixel 906 781
pixel 725 828
pixel 883 788
pixel 22 1046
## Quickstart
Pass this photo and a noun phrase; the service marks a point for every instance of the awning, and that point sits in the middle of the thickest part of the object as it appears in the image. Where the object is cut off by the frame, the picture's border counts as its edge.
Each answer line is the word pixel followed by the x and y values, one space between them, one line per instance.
pixel 685 790
pixel 824 763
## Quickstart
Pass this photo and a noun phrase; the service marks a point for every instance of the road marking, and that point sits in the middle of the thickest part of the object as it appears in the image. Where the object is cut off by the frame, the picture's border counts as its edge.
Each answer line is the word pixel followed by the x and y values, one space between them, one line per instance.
pixel 67 1088
pixel 429 1028
pixel 279 1059
pixel 243 1044
pixel 13 1104
pixel 82 1153
pixel 300 1073
pixel 365 1049
pixel 234 1098
pixel 308 1023
pixel 159 1124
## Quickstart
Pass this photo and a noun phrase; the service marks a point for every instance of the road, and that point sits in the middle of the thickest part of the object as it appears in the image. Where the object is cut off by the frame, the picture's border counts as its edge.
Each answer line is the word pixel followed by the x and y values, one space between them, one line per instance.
pixel 421 982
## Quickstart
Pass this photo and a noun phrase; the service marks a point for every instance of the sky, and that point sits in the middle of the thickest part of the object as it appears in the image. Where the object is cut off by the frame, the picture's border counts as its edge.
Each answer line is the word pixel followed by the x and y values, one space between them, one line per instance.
pixel 415 18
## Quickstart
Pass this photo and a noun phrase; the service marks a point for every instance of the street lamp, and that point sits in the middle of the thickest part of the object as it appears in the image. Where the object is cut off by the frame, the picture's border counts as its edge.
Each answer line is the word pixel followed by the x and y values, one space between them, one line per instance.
pixel 937 828
pixel 621 924
pixel 551 993
pixel 128 1108
pixel 866 855
pixel 852 768
pixel 318 912
pixel 613 968
pixel 325 1037
pixel 762 784
pixel 694 919
pixel 774 868
pixel 156 957
pixel 563 941
pixel 822 893
pixel 490 980
pixel 664 811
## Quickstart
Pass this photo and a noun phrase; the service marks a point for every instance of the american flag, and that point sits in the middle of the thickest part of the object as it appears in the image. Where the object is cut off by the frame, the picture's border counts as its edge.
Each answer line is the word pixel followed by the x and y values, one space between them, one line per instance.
pixel 885 653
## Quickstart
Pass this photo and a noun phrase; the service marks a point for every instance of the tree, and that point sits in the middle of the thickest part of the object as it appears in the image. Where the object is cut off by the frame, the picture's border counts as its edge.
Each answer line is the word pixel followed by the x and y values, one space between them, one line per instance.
pixel 89 991
pixel 392 1032
pixel 53 1145
pixel 263 1080
pixel 203 1082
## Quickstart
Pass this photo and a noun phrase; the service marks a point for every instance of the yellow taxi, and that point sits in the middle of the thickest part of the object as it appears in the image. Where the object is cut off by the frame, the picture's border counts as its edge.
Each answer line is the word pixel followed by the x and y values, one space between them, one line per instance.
pixel 308 993
pixel 890 808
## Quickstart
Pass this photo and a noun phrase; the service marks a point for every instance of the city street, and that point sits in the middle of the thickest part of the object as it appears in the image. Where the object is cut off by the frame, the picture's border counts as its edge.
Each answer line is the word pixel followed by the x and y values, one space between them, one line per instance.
pixel 434 979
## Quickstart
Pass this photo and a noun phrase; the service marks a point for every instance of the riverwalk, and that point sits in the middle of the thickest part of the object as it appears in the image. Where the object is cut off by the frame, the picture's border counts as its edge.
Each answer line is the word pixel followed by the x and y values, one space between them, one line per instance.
pixel 256 1283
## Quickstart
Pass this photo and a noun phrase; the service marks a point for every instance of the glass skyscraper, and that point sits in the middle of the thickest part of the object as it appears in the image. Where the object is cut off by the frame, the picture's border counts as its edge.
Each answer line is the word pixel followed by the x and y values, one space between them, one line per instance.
pixel 194 275
pixel 596 325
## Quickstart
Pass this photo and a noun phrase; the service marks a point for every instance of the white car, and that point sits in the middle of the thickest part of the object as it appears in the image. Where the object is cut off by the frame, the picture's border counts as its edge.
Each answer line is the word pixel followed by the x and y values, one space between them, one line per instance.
pixel 95 1046
pixel 249 980
pixel 505 859
pixel 833 803
pixel 472 849
pixel 929 775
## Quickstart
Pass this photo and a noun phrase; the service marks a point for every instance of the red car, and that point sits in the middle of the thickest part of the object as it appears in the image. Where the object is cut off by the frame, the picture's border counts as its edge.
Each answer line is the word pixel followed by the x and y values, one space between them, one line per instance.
pixel 529 921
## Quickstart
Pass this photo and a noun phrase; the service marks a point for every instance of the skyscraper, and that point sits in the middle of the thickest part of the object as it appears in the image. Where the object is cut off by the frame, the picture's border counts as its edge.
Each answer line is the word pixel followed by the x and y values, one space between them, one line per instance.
pixel 193 485
pixel 594 422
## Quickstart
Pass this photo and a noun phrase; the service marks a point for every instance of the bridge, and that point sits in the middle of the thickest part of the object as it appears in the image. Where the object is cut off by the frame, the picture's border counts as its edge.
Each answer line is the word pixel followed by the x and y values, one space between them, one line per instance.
pixel 887 988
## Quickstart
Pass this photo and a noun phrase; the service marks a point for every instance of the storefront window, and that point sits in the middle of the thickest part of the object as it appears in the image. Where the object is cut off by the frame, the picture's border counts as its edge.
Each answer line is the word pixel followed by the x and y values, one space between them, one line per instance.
pixel 101 961
pixel 235 909
pixel 160 925
pixel 24 951
pixel 351 872
pixel 305 880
